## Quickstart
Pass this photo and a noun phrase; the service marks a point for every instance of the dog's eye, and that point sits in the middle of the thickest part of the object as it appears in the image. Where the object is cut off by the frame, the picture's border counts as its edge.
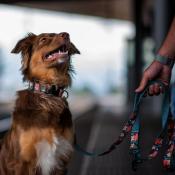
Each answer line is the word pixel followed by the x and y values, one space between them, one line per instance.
pixel 43 39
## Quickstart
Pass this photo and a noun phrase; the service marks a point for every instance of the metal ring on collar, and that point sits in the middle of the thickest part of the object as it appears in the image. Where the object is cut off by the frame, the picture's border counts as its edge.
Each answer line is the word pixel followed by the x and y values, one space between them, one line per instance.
pixel 65 94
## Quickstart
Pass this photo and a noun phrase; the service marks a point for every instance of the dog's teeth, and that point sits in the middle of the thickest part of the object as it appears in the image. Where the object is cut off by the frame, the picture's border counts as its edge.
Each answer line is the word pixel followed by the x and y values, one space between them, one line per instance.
pixel 50 56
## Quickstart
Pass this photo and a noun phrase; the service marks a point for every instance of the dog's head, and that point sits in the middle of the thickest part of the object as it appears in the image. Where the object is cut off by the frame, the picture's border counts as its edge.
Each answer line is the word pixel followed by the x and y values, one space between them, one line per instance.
pixel 46 57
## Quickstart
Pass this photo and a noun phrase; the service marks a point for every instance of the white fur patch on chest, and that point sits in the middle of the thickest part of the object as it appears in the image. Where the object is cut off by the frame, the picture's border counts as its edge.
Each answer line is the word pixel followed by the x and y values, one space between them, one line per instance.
pixel 48 154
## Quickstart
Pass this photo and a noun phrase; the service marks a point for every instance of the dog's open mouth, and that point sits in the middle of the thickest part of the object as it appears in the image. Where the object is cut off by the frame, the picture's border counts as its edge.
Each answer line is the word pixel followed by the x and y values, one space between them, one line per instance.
pixel 60 54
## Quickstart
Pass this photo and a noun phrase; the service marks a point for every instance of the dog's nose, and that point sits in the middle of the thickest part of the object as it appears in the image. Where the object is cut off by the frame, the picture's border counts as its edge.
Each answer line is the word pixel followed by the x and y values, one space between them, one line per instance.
pixel 64 35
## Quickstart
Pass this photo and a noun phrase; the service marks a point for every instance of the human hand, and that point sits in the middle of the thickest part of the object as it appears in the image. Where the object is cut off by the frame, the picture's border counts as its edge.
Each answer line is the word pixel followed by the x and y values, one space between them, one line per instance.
pixel 156 71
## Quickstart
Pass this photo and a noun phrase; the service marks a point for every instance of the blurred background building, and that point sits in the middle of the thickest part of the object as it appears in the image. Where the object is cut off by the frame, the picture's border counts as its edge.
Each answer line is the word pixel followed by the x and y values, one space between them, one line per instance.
pixel 117 40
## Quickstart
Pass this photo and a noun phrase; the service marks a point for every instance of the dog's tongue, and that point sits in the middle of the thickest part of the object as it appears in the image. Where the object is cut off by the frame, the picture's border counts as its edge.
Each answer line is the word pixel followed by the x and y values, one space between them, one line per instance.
pixel 57 55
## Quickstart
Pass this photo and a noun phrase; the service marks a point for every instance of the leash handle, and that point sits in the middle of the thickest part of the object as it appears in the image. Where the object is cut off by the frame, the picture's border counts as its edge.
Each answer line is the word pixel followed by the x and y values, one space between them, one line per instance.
pixel 140 95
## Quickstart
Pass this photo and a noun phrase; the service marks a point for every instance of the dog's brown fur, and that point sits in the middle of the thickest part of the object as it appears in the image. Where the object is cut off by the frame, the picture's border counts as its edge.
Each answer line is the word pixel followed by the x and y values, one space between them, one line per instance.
pixel 39 117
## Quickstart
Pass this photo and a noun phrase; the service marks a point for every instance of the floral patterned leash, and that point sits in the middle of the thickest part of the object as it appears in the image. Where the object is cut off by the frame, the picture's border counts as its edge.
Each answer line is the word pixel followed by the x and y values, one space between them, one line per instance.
pixel 168 127
pixel 133 126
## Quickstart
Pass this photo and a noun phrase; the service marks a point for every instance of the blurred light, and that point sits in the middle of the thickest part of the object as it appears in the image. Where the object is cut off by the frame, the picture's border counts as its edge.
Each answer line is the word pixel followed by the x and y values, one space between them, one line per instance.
pixel 101 42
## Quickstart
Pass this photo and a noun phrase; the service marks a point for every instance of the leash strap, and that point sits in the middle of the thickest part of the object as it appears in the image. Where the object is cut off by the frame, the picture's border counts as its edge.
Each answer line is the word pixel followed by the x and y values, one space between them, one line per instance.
pixel 126 129
pixel 134 145
pixel 168 127
pixel 165 120
pixel 133 126
pixel 169 157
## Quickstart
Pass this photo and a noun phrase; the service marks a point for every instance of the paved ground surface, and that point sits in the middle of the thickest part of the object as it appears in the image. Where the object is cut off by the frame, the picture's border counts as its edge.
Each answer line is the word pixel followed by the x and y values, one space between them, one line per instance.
pixel 96 130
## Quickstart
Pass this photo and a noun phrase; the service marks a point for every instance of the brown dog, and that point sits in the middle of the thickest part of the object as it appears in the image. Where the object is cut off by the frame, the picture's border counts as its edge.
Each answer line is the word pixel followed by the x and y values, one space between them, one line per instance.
pixel 41 136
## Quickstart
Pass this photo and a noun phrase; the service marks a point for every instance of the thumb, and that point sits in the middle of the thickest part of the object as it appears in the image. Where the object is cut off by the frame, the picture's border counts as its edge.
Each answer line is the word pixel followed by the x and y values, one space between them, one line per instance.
pixel 142 85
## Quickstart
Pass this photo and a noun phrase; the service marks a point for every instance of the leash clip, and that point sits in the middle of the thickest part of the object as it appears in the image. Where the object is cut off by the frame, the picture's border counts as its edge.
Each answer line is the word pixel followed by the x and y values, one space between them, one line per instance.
pixel 65 94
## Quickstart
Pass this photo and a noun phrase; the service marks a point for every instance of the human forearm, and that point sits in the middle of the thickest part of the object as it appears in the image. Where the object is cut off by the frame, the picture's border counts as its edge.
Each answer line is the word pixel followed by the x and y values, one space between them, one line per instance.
pixel 168 47
pixel 160 68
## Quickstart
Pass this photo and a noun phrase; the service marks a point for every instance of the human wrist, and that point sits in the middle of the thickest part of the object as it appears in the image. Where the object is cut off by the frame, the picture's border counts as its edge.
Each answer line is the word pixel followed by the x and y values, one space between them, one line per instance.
pixel 165 60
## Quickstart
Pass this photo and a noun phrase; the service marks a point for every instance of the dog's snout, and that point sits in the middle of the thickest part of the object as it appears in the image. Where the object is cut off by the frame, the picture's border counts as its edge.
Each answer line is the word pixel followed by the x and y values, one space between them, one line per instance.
pixel 64 35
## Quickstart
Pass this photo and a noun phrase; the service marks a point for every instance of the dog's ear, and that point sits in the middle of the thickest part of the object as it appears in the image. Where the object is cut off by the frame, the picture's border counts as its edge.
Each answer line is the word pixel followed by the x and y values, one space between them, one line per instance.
pixel 73 49
pixel 25 47
pixel 24 44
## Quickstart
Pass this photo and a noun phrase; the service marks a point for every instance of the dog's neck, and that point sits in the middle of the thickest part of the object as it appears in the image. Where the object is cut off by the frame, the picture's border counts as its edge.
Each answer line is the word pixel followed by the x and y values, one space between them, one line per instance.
pixel 49 89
